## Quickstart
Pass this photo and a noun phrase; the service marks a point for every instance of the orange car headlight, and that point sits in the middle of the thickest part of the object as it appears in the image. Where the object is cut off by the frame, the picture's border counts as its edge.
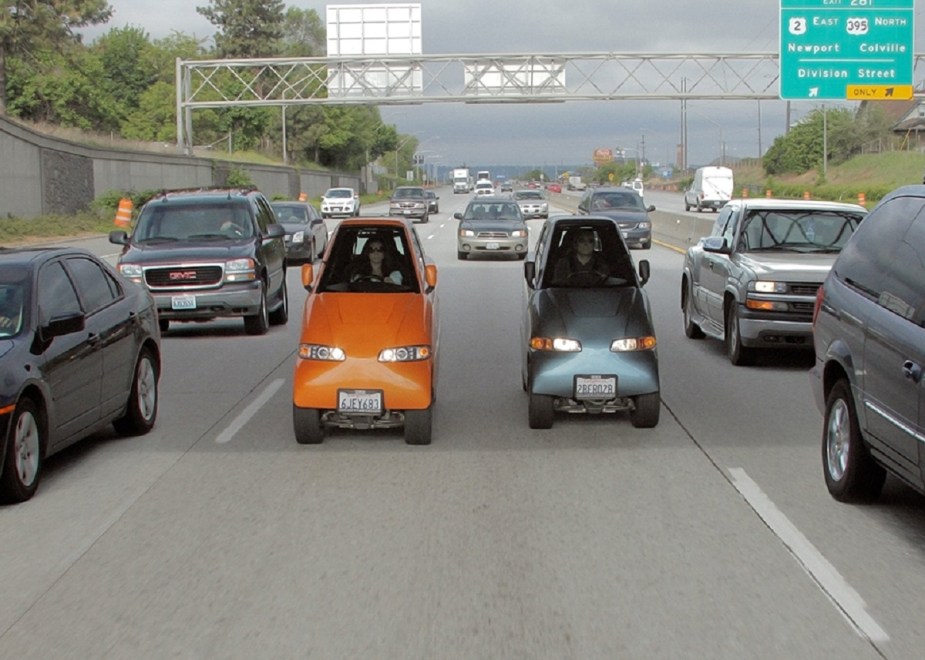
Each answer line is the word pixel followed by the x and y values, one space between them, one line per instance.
pixel 632 344
pixel 404 354
pixel 321 352
pixel 563 344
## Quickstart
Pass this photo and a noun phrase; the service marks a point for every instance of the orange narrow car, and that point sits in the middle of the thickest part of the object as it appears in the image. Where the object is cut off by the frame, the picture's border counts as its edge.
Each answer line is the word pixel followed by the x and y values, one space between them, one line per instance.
pixel 368 350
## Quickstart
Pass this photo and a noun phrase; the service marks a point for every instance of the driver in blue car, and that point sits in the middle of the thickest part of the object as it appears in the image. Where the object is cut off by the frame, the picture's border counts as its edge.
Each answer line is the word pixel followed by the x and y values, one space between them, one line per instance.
pixel 581 265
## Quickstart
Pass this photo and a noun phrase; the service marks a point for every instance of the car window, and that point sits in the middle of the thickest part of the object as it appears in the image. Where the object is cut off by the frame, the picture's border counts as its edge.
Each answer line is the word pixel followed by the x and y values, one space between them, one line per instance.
pixel 348 265
pixel 97 288
pixel 339 193
pixel 610 256
pixel 605 201
pixel 11 308
pixel 798 230
pixel 724 225
pixel 408 193
pixel 872 252
pixel 903 289
pixel 265 216
pixel 56 294
pixel 292 213
pixel 177 221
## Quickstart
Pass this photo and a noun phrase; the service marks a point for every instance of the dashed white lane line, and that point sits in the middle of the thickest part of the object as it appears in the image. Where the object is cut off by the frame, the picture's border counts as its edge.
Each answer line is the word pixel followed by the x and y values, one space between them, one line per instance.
pixel 252 408
pixel 832 584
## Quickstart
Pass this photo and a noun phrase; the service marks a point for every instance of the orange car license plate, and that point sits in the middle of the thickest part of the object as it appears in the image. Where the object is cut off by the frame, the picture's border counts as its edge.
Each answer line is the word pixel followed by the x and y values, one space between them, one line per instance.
pixel 595 387
pixel 359 401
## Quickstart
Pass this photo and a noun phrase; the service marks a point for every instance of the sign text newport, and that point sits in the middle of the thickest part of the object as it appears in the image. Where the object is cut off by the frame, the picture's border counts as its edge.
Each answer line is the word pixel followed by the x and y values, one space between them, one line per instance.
pixel 846 49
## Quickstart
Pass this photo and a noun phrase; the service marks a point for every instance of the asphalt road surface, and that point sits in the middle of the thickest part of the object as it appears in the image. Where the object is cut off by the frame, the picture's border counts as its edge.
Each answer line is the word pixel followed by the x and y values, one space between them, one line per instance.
pixel 217 536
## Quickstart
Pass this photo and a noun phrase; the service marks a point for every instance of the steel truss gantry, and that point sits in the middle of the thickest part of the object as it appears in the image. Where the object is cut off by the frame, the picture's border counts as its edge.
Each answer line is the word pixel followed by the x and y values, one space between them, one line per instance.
pixel 474 78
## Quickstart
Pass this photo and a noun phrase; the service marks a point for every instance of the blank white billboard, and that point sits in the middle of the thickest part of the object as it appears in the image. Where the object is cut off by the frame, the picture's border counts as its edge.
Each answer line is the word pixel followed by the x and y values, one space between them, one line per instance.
pixel 373 31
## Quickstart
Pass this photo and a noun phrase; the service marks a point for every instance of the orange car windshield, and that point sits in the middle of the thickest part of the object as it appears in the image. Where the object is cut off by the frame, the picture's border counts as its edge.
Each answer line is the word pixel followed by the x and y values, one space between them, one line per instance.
pixel 369 260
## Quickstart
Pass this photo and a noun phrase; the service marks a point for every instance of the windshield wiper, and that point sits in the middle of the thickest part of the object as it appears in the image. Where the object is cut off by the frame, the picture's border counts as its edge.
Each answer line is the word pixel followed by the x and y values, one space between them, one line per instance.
pixel 159 239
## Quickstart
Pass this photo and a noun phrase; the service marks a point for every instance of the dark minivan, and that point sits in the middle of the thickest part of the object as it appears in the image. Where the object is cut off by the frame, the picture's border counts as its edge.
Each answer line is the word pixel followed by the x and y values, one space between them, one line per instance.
pixel 869 336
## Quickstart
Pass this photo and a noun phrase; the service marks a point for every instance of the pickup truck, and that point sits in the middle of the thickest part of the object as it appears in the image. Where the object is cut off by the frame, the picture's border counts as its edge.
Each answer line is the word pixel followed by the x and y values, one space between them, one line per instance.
pixel 752 282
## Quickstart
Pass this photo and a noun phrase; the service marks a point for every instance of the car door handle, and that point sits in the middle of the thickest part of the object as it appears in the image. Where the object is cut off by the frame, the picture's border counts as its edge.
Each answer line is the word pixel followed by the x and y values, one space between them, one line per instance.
pixel 912 371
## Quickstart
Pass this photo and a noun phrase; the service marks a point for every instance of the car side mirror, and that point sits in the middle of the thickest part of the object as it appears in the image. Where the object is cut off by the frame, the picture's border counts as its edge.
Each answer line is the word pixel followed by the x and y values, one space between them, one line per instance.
pixel 118 237
pixel 275 230
pixel 650 208
pixel 530 273
pixel 716 244
pixel 458 215
pixel 644 271
pixel 63 325
pixel 308 276
pixel 430 276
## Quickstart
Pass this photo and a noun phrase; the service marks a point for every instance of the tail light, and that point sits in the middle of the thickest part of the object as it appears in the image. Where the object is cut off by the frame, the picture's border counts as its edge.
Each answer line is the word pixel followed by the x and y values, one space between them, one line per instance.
pixel 820 294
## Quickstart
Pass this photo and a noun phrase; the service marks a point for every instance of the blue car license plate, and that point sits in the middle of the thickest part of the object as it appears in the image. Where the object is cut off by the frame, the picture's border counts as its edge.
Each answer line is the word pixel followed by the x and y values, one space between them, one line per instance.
pixel 595 387
pixel 359 401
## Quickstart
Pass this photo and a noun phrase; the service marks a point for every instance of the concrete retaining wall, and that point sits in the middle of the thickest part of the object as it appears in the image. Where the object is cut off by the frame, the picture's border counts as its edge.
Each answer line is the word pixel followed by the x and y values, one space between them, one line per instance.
pixel 41 175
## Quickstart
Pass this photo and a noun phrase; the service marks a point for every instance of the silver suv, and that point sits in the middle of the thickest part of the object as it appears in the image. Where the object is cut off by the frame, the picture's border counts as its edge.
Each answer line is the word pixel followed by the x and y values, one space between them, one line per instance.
pixel 869 336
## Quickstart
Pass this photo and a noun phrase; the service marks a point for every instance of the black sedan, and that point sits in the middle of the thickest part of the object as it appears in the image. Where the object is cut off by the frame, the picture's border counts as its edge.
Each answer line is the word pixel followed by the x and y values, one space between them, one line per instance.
pixel 306 233
pixel 79 350
pixel 625 206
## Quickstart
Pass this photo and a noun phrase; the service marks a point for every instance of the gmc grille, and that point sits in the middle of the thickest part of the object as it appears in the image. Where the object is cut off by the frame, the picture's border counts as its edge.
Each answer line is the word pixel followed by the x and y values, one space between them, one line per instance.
pixel 174 277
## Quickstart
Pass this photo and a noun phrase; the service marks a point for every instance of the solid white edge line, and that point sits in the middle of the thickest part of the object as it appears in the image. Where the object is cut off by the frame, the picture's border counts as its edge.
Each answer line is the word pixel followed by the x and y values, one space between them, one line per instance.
pixel 249 412
pixel 832 584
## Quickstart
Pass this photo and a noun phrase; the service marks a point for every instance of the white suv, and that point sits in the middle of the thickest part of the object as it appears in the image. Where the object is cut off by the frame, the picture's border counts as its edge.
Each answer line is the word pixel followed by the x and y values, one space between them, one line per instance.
pixel 340 202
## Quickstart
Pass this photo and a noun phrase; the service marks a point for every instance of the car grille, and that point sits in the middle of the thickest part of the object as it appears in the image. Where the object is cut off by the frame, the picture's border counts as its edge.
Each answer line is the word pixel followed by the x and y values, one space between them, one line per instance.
pixel 173 277
pixel 493 234
pixel 801 289
pixel 410 205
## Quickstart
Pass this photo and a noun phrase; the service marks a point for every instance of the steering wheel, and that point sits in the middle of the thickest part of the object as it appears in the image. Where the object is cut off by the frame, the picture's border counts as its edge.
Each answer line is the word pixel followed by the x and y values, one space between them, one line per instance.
pixel 368 278
pixel 585 278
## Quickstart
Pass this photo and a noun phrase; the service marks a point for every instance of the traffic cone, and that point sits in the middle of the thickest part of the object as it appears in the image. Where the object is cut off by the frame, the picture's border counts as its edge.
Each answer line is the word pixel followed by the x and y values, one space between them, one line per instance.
pixel 124 213
pixel 862 198
pixel 303 197
pixel 805 194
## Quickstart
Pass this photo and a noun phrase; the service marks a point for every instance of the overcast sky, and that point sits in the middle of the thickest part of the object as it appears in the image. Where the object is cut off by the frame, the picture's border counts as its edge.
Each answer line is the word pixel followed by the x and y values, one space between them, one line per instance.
pixel 567 133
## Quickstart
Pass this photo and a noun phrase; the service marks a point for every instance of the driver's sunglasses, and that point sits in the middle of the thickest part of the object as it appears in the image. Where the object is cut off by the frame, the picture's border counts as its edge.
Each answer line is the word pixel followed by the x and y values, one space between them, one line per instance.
pixel 586 240
pixel 376 248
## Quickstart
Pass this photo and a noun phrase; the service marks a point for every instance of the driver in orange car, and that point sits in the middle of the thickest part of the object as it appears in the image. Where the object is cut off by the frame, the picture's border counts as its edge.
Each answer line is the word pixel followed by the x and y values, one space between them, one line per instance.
pixel 375 264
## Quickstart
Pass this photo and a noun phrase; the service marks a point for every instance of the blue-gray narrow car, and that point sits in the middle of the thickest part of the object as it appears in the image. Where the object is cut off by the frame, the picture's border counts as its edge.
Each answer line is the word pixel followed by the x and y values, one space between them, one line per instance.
pixel 588 339
pixel 79 350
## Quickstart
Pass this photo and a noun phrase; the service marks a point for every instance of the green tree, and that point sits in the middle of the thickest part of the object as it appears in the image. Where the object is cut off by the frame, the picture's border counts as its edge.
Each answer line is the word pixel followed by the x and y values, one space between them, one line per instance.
pixel 37 28
pixel 303 34
pixel 246 28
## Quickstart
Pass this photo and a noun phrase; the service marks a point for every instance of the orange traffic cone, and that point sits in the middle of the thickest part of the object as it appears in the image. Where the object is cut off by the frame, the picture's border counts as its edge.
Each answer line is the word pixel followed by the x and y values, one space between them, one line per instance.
pixel 862 198
pixel 124 213
pixel 303 197
pixel 805 194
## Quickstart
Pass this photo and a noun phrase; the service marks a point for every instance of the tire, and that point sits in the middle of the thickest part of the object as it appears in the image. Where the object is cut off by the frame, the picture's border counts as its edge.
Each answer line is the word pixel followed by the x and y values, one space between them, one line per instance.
pixel 280 315
pixel 306 422
pixel 738 354
pixel 259 323
pixel 141 409
pixel 699 208
pixel 23 463
pixel 687 207
pixel 540 411
pixel 851 475
pixel 691 329
pixel 163 324
pixel 418 426
pixel 645 412
pixel 462 256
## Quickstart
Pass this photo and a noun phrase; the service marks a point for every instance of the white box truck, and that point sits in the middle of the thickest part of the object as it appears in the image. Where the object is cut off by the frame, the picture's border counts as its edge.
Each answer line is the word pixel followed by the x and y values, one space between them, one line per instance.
pixel 462 182
pixel 711 189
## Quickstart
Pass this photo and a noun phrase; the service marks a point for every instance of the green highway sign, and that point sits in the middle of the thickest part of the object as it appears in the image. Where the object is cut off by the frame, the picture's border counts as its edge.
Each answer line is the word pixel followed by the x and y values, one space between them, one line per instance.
pixel 846 49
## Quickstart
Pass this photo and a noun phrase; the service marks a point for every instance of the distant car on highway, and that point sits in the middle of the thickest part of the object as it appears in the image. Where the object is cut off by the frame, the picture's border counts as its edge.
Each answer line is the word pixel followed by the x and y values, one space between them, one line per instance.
pixel 79 350
pixel 587 336
pixel 410 202
pixel 433 201
pixel 626 207
pixel 484 188
pixel 367 355
pixel 554 187
pixel 491 226
pixel 532 203
pixel 340 203
pixel 306 232
pixel 752 282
